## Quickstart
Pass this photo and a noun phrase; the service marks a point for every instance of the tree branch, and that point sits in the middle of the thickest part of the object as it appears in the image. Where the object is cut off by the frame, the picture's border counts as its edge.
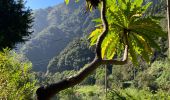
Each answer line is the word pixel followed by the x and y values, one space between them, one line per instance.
pixel 47 92
pixel 105 29
pixel 116 62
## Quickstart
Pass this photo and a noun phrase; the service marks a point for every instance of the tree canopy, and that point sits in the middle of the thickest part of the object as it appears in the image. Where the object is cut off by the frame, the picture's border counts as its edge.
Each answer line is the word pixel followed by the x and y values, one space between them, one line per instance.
pixel 15 22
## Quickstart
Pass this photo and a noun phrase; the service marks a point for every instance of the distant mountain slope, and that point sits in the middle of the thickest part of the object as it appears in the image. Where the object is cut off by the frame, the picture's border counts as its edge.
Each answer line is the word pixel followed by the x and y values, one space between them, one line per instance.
pixel 54 28
pixel 73 57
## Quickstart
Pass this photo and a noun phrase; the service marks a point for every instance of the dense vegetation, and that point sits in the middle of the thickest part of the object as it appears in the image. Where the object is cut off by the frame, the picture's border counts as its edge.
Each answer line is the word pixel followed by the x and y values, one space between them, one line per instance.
pixel 60 45
pixel 17 82
pixel 124 82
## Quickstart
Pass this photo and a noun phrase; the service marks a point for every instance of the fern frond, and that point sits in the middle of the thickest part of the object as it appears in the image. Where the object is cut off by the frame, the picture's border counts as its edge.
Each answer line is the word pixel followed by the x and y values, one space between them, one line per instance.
pixel 94 36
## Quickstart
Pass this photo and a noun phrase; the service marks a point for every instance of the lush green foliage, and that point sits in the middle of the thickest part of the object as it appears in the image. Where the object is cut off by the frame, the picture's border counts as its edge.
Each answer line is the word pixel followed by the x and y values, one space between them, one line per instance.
pixel 129 17
pixel 18 83
pixel 15 22
pixel 155 77
pixel 16 80
pixel 73 57
pixel 158 73
pixel 100 76
pixel 135 94
pixel 90 92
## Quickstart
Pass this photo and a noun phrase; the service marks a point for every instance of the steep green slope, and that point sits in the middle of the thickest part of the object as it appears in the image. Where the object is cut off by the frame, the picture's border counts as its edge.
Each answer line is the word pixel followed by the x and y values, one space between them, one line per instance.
pixel 54 28
pixel 73 57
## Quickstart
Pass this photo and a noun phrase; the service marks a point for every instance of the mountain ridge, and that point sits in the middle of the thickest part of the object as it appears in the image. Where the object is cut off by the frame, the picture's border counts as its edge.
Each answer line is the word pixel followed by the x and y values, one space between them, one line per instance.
pixel 54 28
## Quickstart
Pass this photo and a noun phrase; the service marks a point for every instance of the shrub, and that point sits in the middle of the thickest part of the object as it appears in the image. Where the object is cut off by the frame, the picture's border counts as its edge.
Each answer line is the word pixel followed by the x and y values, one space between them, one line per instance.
pixel 16 80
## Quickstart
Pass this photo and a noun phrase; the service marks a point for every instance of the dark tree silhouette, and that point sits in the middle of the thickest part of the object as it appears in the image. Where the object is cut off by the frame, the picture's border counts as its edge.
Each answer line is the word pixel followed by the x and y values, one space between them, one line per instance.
pixel 15 22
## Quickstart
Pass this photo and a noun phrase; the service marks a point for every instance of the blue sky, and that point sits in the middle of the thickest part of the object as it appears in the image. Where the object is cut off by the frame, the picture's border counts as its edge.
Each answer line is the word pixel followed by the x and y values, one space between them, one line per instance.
pixel 36 4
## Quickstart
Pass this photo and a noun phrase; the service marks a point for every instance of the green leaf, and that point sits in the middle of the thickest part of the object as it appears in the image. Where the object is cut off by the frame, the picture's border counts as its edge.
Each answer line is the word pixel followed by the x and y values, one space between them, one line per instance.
pixel 67 2
pixel 145 7
pixel 94 36
pixel 111 51
pixel 95 33
pixel 132 53
pixel 138 3
pixel 117 19
pixel 146 50
pixel 109 45
pixel 124 1
pixel 121 4
pixel 97 20
pixel 151 41
pixel 105 44
pixel 145 56
pixel 93 41
pixel 147 26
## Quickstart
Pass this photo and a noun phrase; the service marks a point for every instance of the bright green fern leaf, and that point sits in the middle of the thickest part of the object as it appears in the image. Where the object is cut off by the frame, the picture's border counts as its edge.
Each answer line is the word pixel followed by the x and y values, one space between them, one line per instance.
pixel 142 30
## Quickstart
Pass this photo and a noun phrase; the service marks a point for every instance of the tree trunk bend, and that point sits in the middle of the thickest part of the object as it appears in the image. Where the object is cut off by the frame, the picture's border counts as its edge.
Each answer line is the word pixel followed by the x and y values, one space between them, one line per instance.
pixel 47 92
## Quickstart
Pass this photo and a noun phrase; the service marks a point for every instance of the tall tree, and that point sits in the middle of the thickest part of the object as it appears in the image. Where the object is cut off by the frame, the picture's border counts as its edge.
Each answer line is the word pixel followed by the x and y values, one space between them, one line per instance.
pixel 15 22
pixel 126 32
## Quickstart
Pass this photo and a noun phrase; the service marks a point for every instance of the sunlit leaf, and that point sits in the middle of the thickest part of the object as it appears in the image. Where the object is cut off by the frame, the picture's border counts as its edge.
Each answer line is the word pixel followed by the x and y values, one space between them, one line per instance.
pixel 138 3
pixel 142 30
pixel 94 36
pixel 95 33
pixel 132 53
pixel 67 2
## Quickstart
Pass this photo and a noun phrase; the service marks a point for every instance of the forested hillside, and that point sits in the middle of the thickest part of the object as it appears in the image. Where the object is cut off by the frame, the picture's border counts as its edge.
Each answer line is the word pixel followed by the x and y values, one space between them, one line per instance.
pixel 54 28
pixel 73 57
pixel 85 50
